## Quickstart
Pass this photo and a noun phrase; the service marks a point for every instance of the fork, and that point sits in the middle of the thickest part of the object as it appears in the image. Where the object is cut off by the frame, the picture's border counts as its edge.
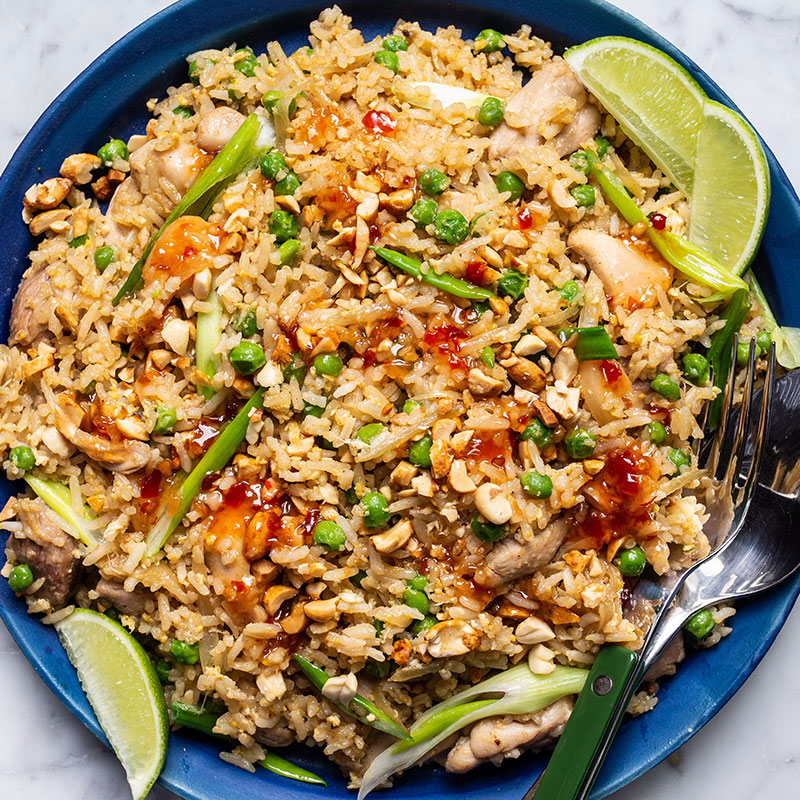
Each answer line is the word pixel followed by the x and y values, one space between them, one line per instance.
pixel 617 671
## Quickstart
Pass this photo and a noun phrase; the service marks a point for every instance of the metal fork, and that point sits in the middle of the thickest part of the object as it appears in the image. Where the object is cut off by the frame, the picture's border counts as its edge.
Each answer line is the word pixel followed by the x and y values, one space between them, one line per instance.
pixel 617 672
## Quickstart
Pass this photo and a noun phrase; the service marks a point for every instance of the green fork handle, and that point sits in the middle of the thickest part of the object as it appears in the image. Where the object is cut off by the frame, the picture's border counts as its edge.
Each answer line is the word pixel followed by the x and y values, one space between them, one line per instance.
pixel 594 717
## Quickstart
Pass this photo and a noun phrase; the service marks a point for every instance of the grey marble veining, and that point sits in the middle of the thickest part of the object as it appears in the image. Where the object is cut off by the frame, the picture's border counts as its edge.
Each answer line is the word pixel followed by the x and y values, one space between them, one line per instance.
pixel 751 750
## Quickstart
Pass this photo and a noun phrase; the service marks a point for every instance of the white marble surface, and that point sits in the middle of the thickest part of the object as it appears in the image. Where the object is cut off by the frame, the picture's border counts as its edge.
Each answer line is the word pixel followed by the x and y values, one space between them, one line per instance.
pixel 751 750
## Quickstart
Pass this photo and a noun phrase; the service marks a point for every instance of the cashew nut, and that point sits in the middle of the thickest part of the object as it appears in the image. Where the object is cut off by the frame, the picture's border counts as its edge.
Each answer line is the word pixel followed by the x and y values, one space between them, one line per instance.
pixel 458 478
pixel 540 660
pixel 453 637
pixel 565 365
pixel 78 167
pixel 54 220
pixel 341 689
pixel 481 384
pixel 321 610
pixel 276 596
pixel 529 345
pixel 47 195
pixel 394 538
pixel 492 503
pixel 297 619
pixel 533 630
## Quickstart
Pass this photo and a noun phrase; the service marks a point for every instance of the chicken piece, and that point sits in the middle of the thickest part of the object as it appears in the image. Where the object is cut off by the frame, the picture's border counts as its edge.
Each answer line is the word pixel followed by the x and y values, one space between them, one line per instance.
pixel 541 103
pixel 630 270
pixel 185 248
pixel 124 200
pixel 180 165
pixel 132 603
pixel 121 455
pixel 217 127
pixel 510 559
pixel 666 664
pixel 29 308
pixel 496 736
pixel 47 550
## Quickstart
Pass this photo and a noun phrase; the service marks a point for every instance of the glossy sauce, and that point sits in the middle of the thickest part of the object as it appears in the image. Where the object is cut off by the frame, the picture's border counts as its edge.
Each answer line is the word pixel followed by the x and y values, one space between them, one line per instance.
pixel 478 273
pixel 336 203
pixel 493 447
pixel 379 122
pixel 187 246
pixel 322 125
pixel 445 340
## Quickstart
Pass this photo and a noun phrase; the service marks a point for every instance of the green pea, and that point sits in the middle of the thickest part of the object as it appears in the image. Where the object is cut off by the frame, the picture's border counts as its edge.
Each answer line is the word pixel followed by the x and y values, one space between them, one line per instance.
pixel 583 194
pixel 328 534
pixel 20 578
pixel 570 291
pixel 295 369
pixel 700 624
pixel 388 59
pixel 601 143
pixel 246 323
pixel 679 459
pixel 22 457
pixel 288 251
pixel 272 163
pixel 512 284
pixel 509 182
pixel 358 577
pixel 114 150
pixel 103 257
pixel 489 41
pixel 247 357
pixel 328 364
pixel 433 182
pixel 579 162
pixel 310 410
pixel 487 531
pixel 416 599
pixel 656 432
pixel 419 582
pixel 763 341
pixel 395 42
pixel 77 241
pixel 419 452
pixel 579 444
pixel 420 626
pixel 490 114
pixel 247 63
pixel 410 406
pixel 271 99
pixel 366 433
pixel 631 562
pixel 450 226
pixel 184 653
pixel 742 353
pixel 289 184
pixel 487 357
pixel 423 212
pixel 538 433
pixel 183 111
pixel 375 510
pixel 282 225
pixel 536 485
pixel 166 418
pixel 666 387
pixel 696 369
pixel 162 670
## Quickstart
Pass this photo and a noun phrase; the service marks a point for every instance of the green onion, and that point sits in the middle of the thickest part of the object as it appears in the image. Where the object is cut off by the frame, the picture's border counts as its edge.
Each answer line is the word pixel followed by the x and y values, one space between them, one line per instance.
pixel 59 498
pixel 514 691
pixel 720 354
pixel 594 344
pixel 209 332
pixel 692 261
pixel 217 457
pixel 359 707
pixel 255 136
pixel 204 721
pixel 447 283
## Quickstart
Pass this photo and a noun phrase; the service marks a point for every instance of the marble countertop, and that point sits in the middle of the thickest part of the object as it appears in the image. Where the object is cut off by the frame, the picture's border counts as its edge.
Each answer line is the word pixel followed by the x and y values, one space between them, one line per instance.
pixel 751 749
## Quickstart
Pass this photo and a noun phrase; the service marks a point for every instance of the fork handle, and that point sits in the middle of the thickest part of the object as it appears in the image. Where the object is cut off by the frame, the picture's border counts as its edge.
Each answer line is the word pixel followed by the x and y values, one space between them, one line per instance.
pixel 597 714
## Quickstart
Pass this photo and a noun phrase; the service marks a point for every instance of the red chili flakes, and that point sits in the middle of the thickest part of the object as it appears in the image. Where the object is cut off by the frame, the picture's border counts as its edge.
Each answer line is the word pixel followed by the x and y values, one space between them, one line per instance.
pixel 369 358
pixel 446 340
pixel 658 221
pixel 524 218
pixel 477 273
pixel 380 122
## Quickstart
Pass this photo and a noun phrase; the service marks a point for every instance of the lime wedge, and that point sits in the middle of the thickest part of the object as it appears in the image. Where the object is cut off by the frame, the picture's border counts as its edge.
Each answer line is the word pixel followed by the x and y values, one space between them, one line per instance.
pixel 124 691
pixel 706 149
pixel 731 189
pixel 655 100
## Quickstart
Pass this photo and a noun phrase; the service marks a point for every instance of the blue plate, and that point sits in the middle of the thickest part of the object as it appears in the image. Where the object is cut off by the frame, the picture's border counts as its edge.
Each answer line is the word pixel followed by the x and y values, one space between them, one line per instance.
pixel 109 99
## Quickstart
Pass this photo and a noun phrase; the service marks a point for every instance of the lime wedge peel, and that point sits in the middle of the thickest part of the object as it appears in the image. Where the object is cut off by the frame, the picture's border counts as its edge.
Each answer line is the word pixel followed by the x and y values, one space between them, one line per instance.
pixel 705 148
pixel 123 689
